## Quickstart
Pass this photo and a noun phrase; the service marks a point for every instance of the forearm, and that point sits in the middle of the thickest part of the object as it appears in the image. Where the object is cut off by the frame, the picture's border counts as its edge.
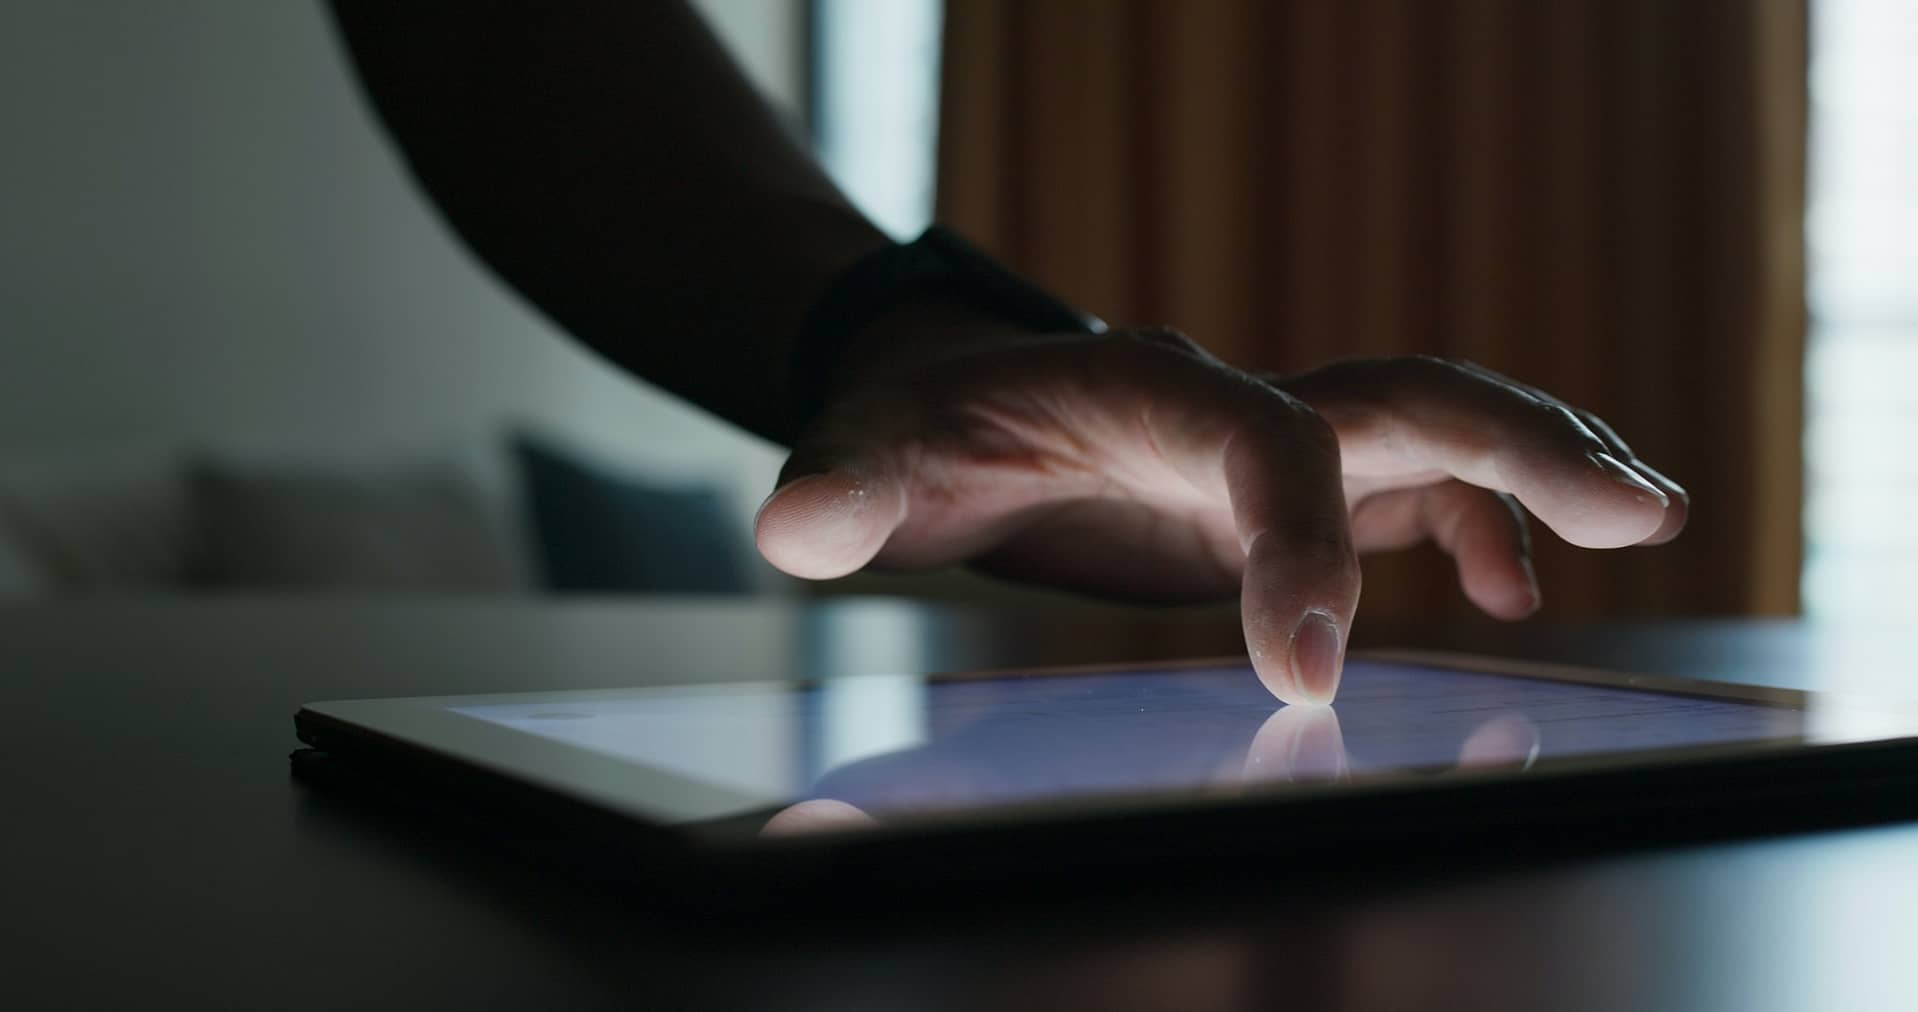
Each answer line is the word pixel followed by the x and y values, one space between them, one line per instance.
pixel 610 163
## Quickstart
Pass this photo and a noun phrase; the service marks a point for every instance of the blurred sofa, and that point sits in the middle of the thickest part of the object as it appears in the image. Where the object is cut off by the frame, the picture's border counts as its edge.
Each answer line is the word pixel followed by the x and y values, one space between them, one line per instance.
pixel 527 514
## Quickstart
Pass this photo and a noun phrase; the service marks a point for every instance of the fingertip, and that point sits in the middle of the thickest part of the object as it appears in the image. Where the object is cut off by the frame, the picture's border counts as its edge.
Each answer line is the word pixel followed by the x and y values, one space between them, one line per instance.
pixel 1666 533
pixel 1531 597
pixel 1620 509
pixel 1275 673
pixel 1269 642
pixel 827 525
pixel 1516 608
pixel 1510 597
pixel 1300 663
pixel 1677 510
pixel 1273 666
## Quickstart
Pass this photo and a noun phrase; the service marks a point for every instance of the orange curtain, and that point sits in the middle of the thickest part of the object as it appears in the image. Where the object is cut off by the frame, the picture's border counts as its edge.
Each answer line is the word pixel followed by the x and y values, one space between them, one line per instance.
pixel 1601 197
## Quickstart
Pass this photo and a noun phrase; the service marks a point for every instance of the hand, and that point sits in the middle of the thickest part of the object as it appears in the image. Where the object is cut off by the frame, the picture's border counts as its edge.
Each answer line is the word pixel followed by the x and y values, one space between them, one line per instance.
pixel 1135 465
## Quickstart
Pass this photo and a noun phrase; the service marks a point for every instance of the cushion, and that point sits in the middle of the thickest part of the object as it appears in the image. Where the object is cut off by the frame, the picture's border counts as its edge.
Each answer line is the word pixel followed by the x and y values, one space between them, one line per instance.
pixel 92 521
pixel 410 530
pixel 597 532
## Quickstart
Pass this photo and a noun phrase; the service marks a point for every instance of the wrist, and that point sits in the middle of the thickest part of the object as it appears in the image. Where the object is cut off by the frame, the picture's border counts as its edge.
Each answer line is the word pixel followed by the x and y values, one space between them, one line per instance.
pixel 924 332
pixel 913 305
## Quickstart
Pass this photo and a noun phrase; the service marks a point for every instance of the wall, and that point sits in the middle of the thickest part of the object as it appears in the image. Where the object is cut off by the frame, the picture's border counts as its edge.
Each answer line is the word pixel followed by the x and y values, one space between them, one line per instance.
pixel 204 242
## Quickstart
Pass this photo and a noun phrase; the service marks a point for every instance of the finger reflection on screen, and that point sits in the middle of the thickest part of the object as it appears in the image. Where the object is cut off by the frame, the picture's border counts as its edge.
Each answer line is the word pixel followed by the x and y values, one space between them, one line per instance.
pixel 1506 740
pixel 1014 757
pixel 1297 743
pixel 1302 744
pixel 815 816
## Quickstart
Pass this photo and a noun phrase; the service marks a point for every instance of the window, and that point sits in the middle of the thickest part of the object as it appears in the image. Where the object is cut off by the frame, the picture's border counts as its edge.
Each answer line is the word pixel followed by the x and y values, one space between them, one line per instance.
pixel 1861 440
pixel 876 105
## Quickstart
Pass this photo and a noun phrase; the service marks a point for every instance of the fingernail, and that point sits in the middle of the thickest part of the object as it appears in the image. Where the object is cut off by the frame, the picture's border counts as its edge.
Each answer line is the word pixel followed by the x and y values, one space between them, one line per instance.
pixel 1315 657
pixel 1630 479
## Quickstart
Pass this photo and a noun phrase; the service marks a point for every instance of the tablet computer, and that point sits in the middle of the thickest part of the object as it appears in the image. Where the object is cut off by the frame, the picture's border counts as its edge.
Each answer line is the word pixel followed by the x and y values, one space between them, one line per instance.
pixel 744 793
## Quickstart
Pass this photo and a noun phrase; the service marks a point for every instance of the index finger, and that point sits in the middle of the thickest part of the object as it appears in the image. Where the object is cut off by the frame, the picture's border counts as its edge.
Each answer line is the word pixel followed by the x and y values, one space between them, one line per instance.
pixel 1301 582
pixel 1277 463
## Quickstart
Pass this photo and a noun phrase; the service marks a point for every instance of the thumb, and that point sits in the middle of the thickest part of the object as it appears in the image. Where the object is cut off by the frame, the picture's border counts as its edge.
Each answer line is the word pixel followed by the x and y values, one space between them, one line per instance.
pixel 829 522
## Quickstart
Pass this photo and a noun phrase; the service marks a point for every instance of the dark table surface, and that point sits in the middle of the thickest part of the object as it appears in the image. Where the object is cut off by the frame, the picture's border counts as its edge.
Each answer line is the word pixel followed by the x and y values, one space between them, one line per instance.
pixel 157 855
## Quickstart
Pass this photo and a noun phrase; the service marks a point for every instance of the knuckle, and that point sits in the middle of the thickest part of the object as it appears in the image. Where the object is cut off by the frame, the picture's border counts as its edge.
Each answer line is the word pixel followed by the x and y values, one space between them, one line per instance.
pixel 1322 541
pixel 1280 424
pixel 1133 346
pixel 1305 425
pixel 1325 540
pixel 1167 337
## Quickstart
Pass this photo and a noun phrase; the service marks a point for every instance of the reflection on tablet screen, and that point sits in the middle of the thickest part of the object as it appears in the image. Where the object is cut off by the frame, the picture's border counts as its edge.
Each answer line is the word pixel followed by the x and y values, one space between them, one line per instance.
pixel 893 744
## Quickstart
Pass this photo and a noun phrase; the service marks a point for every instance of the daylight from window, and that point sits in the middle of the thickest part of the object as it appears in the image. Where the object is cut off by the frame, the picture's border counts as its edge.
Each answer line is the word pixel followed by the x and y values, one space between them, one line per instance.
pixel 876 107
pixel 1861 438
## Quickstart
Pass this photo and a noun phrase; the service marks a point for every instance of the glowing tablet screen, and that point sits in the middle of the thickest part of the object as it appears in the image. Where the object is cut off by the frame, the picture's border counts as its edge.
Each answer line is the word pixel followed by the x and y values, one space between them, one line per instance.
pixel 911 744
